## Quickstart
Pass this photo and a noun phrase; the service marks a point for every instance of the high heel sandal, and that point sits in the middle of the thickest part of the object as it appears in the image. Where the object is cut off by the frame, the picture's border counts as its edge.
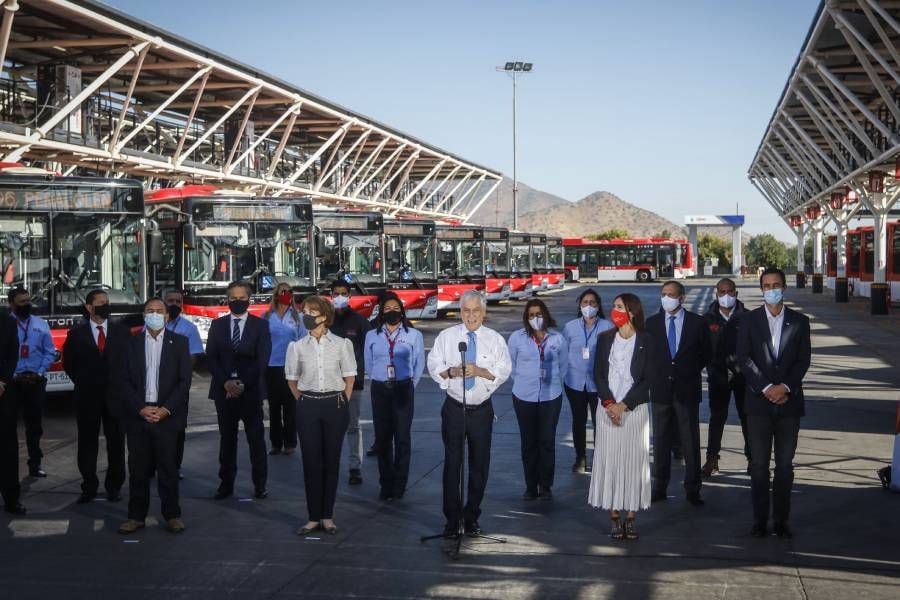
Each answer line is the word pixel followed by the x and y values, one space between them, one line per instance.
pixel 616 532
pixel 630 531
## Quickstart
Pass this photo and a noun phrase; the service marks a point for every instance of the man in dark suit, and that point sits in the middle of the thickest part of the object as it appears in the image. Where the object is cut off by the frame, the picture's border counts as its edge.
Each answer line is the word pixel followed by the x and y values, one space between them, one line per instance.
pixel 773 353
pixel 682 350
pixel 9 416
pixel 156 378
pixel 89 354
pixel 237 353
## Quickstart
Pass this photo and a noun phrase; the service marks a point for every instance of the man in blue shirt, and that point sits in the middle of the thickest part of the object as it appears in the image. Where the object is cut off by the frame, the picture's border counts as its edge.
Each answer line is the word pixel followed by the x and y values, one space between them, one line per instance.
pixel 36 354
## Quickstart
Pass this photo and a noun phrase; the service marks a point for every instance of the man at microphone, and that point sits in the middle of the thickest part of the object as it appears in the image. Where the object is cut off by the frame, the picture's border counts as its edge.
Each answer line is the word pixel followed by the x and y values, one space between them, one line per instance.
pixel 470 362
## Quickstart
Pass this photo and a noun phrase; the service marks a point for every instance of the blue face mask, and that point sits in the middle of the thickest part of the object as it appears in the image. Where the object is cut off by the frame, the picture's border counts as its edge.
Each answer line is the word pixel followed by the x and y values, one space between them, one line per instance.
pixel 773 297
pixel 154 321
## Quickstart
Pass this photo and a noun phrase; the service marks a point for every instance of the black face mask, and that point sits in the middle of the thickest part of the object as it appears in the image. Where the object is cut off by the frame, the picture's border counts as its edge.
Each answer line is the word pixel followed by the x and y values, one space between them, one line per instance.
pixel 103 311
pixel 309 322
pixel 392 317
pixel 174 310
pixel 238 307
pixel 23 312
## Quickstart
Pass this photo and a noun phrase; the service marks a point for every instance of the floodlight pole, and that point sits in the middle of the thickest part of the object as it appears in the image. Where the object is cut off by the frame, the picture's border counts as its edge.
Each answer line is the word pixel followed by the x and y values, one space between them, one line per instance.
pixel 513 69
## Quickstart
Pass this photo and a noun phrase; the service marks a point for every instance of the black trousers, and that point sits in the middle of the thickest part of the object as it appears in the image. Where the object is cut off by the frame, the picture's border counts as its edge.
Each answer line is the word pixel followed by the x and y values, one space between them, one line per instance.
pixel 282 410
pixel 537 428
pixel 231 411
pixel 475 432
pixel 153 446
pixel 719 399
pixel 179 444
pixel 392 416
pixel 764 430
pixel 9 448
pixel 322 424
pixel 683 418
pixel 31 394
pixel 91 411
pixel 580 402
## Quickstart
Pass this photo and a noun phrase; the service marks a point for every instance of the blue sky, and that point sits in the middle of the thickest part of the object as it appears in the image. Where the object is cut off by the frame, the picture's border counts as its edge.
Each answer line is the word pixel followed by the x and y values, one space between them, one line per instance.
pixel 662 103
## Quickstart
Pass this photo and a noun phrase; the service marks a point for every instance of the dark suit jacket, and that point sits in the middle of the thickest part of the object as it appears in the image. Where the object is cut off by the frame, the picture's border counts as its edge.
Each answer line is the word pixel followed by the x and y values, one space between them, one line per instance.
pixel 82 361
pixel 679 379
pixel 173 385
pixel 249 360
pixel 722 367
pixel 642 368
pixel 756 359
pixel 354 327
pixel 9 348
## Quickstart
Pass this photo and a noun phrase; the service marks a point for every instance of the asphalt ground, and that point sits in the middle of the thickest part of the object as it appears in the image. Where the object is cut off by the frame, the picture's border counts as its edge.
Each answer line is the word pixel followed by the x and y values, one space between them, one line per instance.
pixel 847 530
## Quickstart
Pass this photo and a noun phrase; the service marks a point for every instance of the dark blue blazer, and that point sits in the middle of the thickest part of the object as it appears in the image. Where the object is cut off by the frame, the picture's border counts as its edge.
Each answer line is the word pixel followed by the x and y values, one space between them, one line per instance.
pixel 9 348
pixel 679 378
pixel 757 362
pixel 249 360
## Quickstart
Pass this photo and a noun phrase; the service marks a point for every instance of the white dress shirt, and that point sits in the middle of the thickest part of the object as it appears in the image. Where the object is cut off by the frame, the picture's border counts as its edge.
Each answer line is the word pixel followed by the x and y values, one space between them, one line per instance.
pixel 491 354
pixel 320 365
pixel 776 324
pixel 95 331
pixel 242 320
pixel 724 316
pixel 152 355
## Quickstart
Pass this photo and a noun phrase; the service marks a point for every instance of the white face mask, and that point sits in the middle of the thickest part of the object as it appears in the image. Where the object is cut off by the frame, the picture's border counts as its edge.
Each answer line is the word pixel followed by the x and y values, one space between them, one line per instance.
pixel 669 304
pixel 589 312
pixel 537 323
pixel 340 301
pixel 727 301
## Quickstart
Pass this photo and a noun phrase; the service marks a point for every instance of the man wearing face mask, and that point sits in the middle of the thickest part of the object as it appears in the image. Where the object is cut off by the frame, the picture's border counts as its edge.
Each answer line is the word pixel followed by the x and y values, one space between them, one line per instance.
pixel 682 351
pixel 723 377
pixel 36 354
pixel 351 325
pixel 156 379
pixel 91 356
pixel 773 353
pixel 237 354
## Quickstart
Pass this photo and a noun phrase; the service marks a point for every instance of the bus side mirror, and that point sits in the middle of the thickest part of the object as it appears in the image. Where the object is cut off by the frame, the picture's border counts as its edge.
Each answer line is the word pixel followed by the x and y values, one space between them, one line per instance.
pixel 320 245
pixel 154 247
pixel 190 235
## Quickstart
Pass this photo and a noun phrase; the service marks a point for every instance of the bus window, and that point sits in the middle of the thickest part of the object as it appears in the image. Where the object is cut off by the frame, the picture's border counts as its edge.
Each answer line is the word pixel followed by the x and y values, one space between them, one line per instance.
pixel 24 255
pixel 665 260
pixel 624 256
pixel 606 257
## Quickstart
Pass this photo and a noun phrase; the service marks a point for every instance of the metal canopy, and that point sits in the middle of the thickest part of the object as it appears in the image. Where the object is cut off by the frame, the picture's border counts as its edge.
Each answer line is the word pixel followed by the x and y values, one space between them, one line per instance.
pixel 839 116
pixel 153 105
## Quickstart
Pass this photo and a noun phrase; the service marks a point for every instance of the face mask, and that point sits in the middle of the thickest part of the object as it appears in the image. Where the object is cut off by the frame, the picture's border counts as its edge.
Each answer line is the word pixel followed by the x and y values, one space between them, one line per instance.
pixel 174 310
pixel 24 311
pixel 669 304
pixel 309 322
pixel 102 311
pixel 537 323
pixel 589 312
pixel 340 302
pixel 154 321
pixel 773 297
pixel 392 317
pixel 619 317
pixel 727 301
pixel 285 298
pixel 238 307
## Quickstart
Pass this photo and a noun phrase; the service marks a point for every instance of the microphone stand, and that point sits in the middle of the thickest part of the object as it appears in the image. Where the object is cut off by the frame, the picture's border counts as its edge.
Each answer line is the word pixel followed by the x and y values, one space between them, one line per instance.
pixel 460 525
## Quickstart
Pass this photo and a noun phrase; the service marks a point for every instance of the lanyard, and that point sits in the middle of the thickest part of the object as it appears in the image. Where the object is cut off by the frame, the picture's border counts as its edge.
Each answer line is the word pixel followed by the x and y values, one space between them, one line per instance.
pixel 391 342
pixel 540 346
pixel 24 328
pixel 587 336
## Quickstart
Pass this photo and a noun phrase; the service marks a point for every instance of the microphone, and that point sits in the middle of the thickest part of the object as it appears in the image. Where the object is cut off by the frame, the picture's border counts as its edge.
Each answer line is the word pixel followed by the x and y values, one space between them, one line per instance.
pixel 463 347
pixel 462 356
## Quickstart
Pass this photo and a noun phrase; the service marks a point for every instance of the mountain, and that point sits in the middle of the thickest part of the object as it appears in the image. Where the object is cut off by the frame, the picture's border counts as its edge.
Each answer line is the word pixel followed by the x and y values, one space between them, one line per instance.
pixel 497 209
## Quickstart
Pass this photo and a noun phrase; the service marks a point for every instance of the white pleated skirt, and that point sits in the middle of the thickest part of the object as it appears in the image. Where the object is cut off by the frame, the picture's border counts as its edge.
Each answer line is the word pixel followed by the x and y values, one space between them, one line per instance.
pixel 620 478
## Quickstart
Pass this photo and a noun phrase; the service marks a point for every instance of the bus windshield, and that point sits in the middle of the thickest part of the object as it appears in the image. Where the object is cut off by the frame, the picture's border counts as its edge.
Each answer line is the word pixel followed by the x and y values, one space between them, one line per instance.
pixel 555 257
pixel 355 254
pixel 539 256
pixel 410 258
pixel 498 258
pixel 521 262
pixel 461 258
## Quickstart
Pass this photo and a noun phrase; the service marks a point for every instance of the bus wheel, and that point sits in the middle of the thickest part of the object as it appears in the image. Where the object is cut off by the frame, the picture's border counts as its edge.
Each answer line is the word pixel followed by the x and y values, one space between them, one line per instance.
pixel 643 276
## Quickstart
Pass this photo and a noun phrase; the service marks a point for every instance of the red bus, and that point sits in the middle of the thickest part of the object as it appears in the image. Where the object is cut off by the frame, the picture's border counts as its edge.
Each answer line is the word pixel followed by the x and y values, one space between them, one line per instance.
pixel 460 253
pixel 410 246
pixel 521 281
pixel 627 260
pixel 860 248
pixel 496 263
pixel 556 272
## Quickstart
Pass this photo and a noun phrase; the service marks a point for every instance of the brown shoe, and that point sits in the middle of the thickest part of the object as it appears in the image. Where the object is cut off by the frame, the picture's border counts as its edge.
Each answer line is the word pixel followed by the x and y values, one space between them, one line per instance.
pixel 711 467
pixel 175 525
pixel 130 526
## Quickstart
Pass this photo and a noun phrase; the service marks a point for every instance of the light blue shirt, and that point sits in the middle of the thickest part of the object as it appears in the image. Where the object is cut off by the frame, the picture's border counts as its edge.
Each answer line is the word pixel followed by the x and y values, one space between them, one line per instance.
pixel 580 371
pixel 679 325
pixel 283 330
pixel 534 380
pixel 409 354
pixel 184 327
pixel 35 333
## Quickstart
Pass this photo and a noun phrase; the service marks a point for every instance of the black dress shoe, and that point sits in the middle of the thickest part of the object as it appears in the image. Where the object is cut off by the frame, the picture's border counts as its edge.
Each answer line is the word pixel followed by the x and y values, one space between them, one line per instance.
pixel 372 451
pixel 658 496
pixel 37 472
pixel 758 530
pixel 530 495
pixel 472 528
pixel 85 497
pixel 261 494
pixel 450 530
pixel 783 530
pixel 355 477
pixel 545 494
pixel 580 465
pixel 274 451
pixel 113 496
pixel 695 499
pixel 223 493
pixel 16 509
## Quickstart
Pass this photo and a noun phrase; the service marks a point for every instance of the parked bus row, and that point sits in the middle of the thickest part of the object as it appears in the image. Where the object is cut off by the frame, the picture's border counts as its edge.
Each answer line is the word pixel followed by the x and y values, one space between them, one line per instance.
pixel 860 248
pixel 628 260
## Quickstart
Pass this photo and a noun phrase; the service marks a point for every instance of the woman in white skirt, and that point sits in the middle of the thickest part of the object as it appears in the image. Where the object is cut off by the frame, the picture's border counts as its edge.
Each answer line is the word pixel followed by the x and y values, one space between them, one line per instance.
pixel 620 479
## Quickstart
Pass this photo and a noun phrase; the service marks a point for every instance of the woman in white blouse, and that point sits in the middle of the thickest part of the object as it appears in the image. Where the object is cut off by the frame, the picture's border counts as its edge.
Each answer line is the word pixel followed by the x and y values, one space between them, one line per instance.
pixel 320 371
pixel 620 478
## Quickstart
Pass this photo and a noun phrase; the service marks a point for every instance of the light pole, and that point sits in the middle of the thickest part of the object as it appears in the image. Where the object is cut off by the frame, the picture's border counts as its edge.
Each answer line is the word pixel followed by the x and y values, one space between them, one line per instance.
pixel 513 69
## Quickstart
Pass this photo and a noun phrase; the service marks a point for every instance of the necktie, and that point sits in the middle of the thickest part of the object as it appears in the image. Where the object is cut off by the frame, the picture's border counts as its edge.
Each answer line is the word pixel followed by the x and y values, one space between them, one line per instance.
pixel 673 347
pixel 470 359
pixel 236 333
pixel 101 339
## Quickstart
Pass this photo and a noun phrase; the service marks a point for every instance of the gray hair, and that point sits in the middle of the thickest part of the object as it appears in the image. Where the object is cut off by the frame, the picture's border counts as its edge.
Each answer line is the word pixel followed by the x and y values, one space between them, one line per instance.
pixel 473 295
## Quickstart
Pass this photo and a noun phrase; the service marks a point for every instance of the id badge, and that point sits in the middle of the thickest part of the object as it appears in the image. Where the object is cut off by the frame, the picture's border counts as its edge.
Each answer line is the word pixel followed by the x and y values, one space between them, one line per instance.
pixel 585 353
pixel 23 351
pixel 391 373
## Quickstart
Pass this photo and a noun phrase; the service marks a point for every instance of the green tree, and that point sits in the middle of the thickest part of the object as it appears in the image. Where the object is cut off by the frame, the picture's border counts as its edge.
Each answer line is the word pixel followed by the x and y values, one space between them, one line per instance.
pixel 710 246
pixel 614 233
pixel 664 234
pixel 765 251
pixel 808 250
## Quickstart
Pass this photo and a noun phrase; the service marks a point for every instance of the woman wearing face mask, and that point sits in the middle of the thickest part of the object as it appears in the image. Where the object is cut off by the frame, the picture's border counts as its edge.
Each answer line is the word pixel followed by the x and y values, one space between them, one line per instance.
pixel 620 477
pixel 394 357
pixel 581 336
pixel 285 326
pixel 539 358
pixel 320 371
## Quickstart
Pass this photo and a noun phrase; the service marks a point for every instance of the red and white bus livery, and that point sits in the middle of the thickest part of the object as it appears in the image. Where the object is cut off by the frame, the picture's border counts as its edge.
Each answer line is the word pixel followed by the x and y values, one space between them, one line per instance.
pixel 460 251
pixel 496 263
pixel 410 246
pixel 556 273
pixel 521 281
pixel 627 260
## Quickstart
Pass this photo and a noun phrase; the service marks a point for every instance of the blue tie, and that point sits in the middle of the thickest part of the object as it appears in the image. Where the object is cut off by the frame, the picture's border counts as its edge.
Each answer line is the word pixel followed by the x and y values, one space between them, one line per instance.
pixel 673 347
pixel 236 333
pixel 470 358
